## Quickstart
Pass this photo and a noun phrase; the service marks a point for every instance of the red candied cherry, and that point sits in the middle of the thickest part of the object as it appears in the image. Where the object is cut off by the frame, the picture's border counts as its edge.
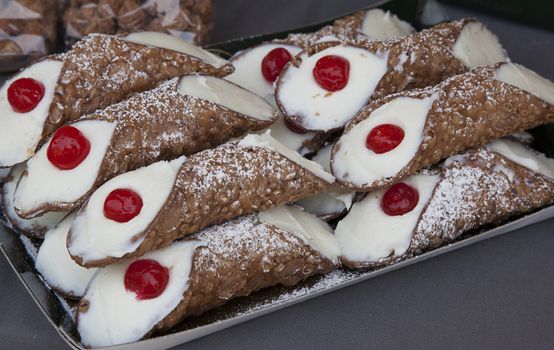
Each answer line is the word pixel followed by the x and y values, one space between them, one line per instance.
pixel 146 278
pixel 295 128
pixel 274 62
pixel 332 72
pixel 122 205
pixel 384 138
pixel 399 199
pixel 24 94
pixel 68 148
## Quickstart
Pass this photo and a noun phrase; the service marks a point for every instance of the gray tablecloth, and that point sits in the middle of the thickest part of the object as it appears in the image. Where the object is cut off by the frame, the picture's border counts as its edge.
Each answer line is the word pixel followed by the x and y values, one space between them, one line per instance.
pixel 497 294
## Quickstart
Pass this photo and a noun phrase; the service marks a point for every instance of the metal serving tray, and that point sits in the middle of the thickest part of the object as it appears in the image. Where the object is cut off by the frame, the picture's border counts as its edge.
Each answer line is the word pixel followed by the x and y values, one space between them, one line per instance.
pixel 20 251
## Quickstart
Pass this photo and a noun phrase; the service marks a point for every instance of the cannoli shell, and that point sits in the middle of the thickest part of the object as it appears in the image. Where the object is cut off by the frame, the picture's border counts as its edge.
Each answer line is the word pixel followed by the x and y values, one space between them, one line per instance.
pixel 161 124
pixel 220 184
pixel 470 109
pixel 429 59
pixel 101 70
pixel 237 258
pixel 490 190
pixel 229 267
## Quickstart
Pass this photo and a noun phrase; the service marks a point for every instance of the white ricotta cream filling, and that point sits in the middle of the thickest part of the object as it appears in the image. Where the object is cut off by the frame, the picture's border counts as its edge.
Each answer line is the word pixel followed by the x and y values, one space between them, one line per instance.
pixel 308 227
pixel 319 109
pixel 170 42
pixel 248 68
pixel 116 316
pixel 21 132
pixel 266 141
pixel 45 183
pixel 56 266
pixel 527 80
pixel 34 225
pixel 355 163
pixel 381 25
pixel 331 202
pixel 294 141
pixel 95 237
pixel 522 155
pixel 226 94
pixel 367 234
pixel 477 46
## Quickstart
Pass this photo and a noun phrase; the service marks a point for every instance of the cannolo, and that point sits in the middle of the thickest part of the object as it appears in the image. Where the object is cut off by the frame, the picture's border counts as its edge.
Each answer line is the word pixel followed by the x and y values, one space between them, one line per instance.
pixel 57 268
pixel 179 117
pixel 130 300
pixel 327 84
pixel 331 204
pixel 481 187
pixel 208 188
pixel 257 68
pixel 35 227
pixel 397 135
pixel 100 70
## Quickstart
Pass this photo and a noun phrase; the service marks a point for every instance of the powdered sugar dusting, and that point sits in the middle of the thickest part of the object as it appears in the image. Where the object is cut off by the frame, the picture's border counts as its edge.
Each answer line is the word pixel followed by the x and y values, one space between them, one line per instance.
pixel 228 240
pixel 477 188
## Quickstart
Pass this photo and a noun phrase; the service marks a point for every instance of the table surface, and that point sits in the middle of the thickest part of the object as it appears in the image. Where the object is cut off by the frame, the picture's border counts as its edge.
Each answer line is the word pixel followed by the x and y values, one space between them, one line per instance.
pixel 497 294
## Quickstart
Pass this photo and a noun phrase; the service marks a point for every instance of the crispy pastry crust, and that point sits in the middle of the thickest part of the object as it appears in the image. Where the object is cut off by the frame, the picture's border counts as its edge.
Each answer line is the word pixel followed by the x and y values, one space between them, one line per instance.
pixel 470 110
pixel 160 124
pixel 101 70
pixel 415 61
pixel 220 184
pixel 476 189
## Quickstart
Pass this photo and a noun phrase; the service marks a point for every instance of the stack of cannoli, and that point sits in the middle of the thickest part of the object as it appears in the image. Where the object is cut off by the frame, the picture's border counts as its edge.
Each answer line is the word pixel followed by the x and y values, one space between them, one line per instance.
pixel 171 195
pixel 98 71
pixel 259 67
pixel 483 186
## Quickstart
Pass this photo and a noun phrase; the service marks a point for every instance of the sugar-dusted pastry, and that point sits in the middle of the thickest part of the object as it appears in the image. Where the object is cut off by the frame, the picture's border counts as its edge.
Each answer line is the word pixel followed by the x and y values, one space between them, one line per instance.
pixel 98 71
pixel 399 134
pixel 57 268
pixel 257 68
pixel 327 84
pixel 130 300
pixel 208 188
pixel 330 204
pixel 179 117
pixel 480 187
pixel 35 227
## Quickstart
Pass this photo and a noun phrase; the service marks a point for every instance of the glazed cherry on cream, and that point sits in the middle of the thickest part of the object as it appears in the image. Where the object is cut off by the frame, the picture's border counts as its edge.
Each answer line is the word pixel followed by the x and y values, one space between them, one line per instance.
pixel 122 205
pixel 399 199
pixel 24 94
pixel 146 278
pixel 384 138
pixel 68 148
pixel 331 72
pixel 295 128
pixel 274 62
